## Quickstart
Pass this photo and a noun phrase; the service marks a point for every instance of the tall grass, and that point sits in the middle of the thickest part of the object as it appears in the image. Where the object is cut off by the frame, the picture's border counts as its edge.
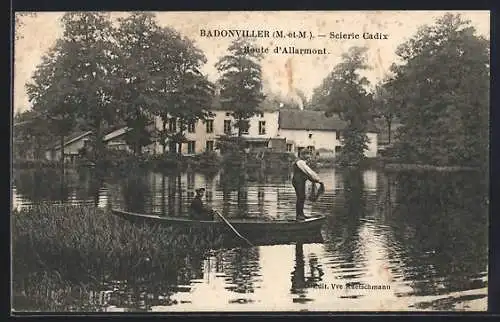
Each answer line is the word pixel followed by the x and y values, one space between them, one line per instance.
pixel 69 245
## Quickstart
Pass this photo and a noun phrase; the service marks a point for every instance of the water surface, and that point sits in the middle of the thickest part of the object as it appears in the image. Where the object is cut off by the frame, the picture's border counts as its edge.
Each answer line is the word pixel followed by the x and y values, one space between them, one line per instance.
pixel 420 238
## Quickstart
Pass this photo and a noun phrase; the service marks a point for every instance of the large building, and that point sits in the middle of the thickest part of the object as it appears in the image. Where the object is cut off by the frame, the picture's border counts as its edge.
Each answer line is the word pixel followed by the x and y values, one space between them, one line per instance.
pixel 297 129
pixel 314 131
pixel 283 131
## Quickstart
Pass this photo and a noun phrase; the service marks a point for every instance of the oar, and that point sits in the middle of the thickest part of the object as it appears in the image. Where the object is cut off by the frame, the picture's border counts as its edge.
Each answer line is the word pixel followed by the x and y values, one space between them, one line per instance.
pixel 232 228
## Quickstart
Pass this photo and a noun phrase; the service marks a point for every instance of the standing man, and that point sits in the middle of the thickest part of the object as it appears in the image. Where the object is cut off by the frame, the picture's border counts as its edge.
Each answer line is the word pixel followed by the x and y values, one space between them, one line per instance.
pixel 301 173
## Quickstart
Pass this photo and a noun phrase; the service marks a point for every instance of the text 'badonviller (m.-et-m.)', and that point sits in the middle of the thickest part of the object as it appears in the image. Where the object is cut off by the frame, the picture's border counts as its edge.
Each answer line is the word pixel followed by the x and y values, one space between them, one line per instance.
pixel 247 33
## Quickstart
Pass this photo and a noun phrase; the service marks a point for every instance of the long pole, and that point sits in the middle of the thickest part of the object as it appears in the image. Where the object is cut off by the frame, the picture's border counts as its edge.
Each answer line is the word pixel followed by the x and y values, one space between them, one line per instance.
pixel 232 228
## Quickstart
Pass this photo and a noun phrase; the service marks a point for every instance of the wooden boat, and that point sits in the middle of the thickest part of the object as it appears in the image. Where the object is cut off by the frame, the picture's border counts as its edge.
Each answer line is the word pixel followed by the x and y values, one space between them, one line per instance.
pixel 251 227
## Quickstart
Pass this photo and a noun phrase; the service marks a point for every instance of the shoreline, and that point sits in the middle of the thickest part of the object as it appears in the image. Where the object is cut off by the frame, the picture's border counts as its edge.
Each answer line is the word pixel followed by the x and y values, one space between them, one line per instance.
pixel 426 167
pixel 219 164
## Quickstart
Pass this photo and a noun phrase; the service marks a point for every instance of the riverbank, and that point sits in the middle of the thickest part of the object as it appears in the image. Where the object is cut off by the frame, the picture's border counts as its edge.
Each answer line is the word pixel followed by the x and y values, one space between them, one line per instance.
pixel 86 246
pixel 214 162
pixel 425 167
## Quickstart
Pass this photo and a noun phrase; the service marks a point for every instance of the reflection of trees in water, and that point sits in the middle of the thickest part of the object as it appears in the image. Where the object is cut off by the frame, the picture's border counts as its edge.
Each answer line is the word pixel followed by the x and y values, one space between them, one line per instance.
pixel 440 224
pixel 192 268
pixel 386 185
pixel 299 280
pixel 148 286
pixel 241 266
pixel 172 190
pixel 180 195
pixel 43 184
pixel 136 191
pixel 342 228
pixel 234 179
pixel 89 184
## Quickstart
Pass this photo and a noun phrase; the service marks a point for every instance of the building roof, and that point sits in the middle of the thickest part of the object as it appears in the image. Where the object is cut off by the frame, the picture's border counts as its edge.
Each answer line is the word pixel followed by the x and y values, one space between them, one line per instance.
pixel 312 120
pixel 265 106
pixel 72 138
pixel 111 134
pixel 308 120
pixel 116 133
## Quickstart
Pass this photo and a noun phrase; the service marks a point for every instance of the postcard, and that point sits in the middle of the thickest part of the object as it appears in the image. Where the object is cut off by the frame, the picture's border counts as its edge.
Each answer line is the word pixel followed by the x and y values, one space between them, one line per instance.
pixel 319 161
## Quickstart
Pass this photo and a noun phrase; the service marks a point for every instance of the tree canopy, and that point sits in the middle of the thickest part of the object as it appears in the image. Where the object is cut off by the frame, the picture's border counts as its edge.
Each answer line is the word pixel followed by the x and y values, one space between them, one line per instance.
pixel 240 83
pixel 443 88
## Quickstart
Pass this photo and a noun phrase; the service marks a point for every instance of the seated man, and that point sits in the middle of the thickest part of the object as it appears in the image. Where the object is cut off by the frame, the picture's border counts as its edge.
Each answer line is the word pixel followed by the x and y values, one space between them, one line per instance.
pixel 198 210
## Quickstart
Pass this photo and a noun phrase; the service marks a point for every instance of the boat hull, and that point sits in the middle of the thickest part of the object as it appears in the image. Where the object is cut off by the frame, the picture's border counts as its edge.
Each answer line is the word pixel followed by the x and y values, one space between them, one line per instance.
pixel 249 227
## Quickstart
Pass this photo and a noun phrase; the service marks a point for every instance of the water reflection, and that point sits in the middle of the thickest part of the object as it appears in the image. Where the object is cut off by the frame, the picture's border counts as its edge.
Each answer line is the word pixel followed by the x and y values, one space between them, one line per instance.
pixel 300 283
pixel 424 235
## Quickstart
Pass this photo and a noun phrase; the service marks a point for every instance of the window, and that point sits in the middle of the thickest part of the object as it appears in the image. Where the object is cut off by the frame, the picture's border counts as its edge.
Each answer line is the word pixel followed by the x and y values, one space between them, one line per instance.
pixel 210 146
pixel 172 125
pixel 227 126
pixel 262 127
pixel 191 146
pixel 337 135
pixel 245 131
pixel 172 147
pixel 288 147
pixel 210 126
pixel 191 126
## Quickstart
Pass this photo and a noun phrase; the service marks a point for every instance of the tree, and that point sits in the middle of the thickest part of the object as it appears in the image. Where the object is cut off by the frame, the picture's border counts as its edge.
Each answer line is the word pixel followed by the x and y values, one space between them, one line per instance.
pixel 51 92
pixel 88 40
pixel 386 103
pixel 343 92
pixel 445 80
pixel 138 94
pixel 31 134
pixel 187 93
pixel 240 83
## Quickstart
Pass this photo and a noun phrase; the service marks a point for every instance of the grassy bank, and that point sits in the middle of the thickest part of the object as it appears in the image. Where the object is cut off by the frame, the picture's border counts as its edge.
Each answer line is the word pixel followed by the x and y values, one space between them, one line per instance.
pixel 56 247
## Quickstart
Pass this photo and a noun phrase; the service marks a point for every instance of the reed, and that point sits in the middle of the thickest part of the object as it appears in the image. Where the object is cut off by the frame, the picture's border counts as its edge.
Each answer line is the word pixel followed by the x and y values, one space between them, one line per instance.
pixel 83 245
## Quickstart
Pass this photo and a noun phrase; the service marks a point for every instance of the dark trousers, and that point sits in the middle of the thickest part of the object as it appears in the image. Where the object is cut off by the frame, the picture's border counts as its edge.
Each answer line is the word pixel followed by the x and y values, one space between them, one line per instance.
pixel 300 193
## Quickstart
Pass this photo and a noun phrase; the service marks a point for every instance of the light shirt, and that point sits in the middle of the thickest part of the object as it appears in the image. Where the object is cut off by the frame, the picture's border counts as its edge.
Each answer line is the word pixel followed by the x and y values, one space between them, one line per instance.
pixel 308 171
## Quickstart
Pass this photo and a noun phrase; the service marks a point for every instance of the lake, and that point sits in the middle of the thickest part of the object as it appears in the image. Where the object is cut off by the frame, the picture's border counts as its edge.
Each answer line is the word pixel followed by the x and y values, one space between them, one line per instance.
pixel 420 240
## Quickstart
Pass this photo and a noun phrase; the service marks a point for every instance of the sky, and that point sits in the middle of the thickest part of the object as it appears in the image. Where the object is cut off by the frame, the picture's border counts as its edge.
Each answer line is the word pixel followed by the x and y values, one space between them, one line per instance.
pixel 282 73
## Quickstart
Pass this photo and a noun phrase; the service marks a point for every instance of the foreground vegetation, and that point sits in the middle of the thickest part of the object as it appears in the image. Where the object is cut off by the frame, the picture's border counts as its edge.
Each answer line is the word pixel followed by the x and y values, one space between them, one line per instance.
pixel 60 247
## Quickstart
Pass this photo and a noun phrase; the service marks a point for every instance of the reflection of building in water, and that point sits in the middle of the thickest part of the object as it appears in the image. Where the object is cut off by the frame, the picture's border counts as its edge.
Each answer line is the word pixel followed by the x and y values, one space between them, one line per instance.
pixel 370 180
pixel 156 183
pixel 262 201
pixel 103 201
pixel 241 267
